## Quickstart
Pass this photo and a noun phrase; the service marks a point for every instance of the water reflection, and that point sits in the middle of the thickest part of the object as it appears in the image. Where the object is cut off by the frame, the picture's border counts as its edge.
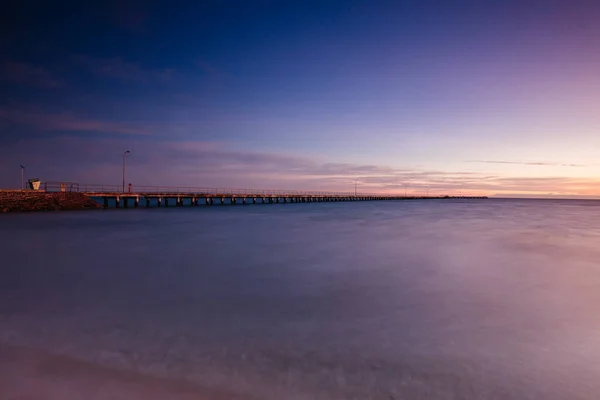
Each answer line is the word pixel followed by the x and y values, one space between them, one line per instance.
pixel 443 299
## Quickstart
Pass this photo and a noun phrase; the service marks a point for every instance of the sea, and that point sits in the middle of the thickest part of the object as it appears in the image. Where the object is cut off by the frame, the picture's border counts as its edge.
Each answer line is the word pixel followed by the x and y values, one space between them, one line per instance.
pixel 424 299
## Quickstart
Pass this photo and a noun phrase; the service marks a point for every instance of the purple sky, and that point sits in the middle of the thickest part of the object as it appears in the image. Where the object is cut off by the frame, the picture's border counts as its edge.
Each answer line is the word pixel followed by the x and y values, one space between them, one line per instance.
pixel 475 97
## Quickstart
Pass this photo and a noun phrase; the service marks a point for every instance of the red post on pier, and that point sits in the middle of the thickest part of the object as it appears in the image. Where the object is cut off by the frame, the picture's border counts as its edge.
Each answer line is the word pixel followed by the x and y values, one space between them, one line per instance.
pixel 130 188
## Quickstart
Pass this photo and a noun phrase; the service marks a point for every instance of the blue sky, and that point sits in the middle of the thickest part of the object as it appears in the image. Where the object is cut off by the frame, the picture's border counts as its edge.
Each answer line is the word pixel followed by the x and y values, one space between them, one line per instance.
pixel 483 97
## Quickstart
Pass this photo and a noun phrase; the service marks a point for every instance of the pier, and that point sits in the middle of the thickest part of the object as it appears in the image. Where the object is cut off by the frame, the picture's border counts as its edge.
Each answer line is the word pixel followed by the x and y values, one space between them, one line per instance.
pixel 162 197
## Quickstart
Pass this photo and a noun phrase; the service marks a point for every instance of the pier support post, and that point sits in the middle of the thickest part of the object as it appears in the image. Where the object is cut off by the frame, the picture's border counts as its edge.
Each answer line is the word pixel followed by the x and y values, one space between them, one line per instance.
pixel 147 199
pixel 118 201
pixel 105 202
pixel 136 202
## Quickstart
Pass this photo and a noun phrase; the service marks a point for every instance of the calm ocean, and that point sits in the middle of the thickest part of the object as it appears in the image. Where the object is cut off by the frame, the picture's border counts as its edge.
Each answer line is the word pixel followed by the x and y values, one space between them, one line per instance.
pixel 448 299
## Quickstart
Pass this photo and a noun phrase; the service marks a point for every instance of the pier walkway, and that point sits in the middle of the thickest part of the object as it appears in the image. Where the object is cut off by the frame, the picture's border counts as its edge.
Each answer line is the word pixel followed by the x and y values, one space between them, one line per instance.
pixel 166 196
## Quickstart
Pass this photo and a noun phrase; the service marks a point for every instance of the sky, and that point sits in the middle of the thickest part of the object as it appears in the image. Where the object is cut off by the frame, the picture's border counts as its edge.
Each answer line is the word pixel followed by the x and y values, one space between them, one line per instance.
pixel 496 98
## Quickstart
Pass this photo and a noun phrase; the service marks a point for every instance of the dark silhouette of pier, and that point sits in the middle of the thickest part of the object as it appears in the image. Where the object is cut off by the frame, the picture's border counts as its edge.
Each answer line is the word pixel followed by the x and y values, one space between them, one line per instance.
pixel 173 196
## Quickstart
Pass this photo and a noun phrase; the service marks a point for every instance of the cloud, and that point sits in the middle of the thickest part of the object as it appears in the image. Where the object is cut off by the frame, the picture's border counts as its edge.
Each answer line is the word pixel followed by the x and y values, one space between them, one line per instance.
pixel 155 161
pixel 67 122
pixel 24 73
pixel 542 164
pixel 117 68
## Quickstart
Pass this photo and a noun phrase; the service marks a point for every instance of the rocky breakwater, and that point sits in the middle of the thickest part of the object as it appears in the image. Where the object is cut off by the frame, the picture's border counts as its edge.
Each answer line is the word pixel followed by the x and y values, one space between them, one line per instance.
pixel 29 200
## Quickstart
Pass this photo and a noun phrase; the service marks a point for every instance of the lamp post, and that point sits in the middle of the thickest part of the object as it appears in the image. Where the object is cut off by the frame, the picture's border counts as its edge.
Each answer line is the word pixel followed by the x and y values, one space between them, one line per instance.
pixel 22 176
pixel 355 183
pixel 124 156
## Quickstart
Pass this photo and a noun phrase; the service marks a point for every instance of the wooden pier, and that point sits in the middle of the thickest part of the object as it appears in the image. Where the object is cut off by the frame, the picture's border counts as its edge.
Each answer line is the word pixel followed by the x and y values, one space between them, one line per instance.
pixel 179 200
pixel 162 197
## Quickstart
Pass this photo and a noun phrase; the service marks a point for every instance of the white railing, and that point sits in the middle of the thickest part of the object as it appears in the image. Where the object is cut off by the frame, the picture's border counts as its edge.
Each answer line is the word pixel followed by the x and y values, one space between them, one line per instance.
pixel 213 191
pixel 141 189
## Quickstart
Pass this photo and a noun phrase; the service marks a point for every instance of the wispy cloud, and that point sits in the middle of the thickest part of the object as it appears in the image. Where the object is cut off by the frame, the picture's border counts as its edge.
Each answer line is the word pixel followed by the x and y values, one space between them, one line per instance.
pixel 68 122
pixel 534 163
pixel 125 71
pixel 92 159
pixel 24 73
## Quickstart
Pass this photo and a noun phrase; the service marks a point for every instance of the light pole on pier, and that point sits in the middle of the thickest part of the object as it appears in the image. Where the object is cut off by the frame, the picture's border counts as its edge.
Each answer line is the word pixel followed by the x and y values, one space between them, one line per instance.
pixel 124 156
pixel 22 176
pixel 355 183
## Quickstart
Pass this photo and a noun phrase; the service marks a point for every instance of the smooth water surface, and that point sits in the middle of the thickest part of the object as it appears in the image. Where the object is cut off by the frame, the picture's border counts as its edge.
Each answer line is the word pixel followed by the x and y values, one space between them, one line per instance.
pixel 448 299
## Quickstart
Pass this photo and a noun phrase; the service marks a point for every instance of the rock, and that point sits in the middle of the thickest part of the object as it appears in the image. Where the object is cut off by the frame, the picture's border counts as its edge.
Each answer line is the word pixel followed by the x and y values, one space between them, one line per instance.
pixel 17 200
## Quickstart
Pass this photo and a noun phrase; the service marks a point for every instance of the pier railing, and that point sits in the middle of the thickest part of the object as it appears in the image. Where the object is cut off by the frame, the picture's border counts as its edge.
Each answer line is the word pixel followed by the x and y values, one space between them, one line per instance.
pixel 60 186
pixel 100 188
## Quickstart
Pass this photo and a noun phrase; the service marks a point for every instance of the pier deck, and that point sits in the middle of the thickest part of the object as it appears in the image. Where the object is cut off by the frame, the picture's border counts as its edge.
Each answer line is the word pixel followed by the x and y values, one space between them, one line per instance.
pixel 157 196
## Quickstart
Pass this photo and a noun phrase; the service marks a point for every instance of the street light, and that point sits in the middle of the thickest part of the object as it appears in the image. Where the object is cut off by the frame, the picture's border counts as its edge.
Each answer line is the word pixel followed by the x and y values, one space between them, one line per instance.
pixel 124 155
pixel 355 183
pixel 22 178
